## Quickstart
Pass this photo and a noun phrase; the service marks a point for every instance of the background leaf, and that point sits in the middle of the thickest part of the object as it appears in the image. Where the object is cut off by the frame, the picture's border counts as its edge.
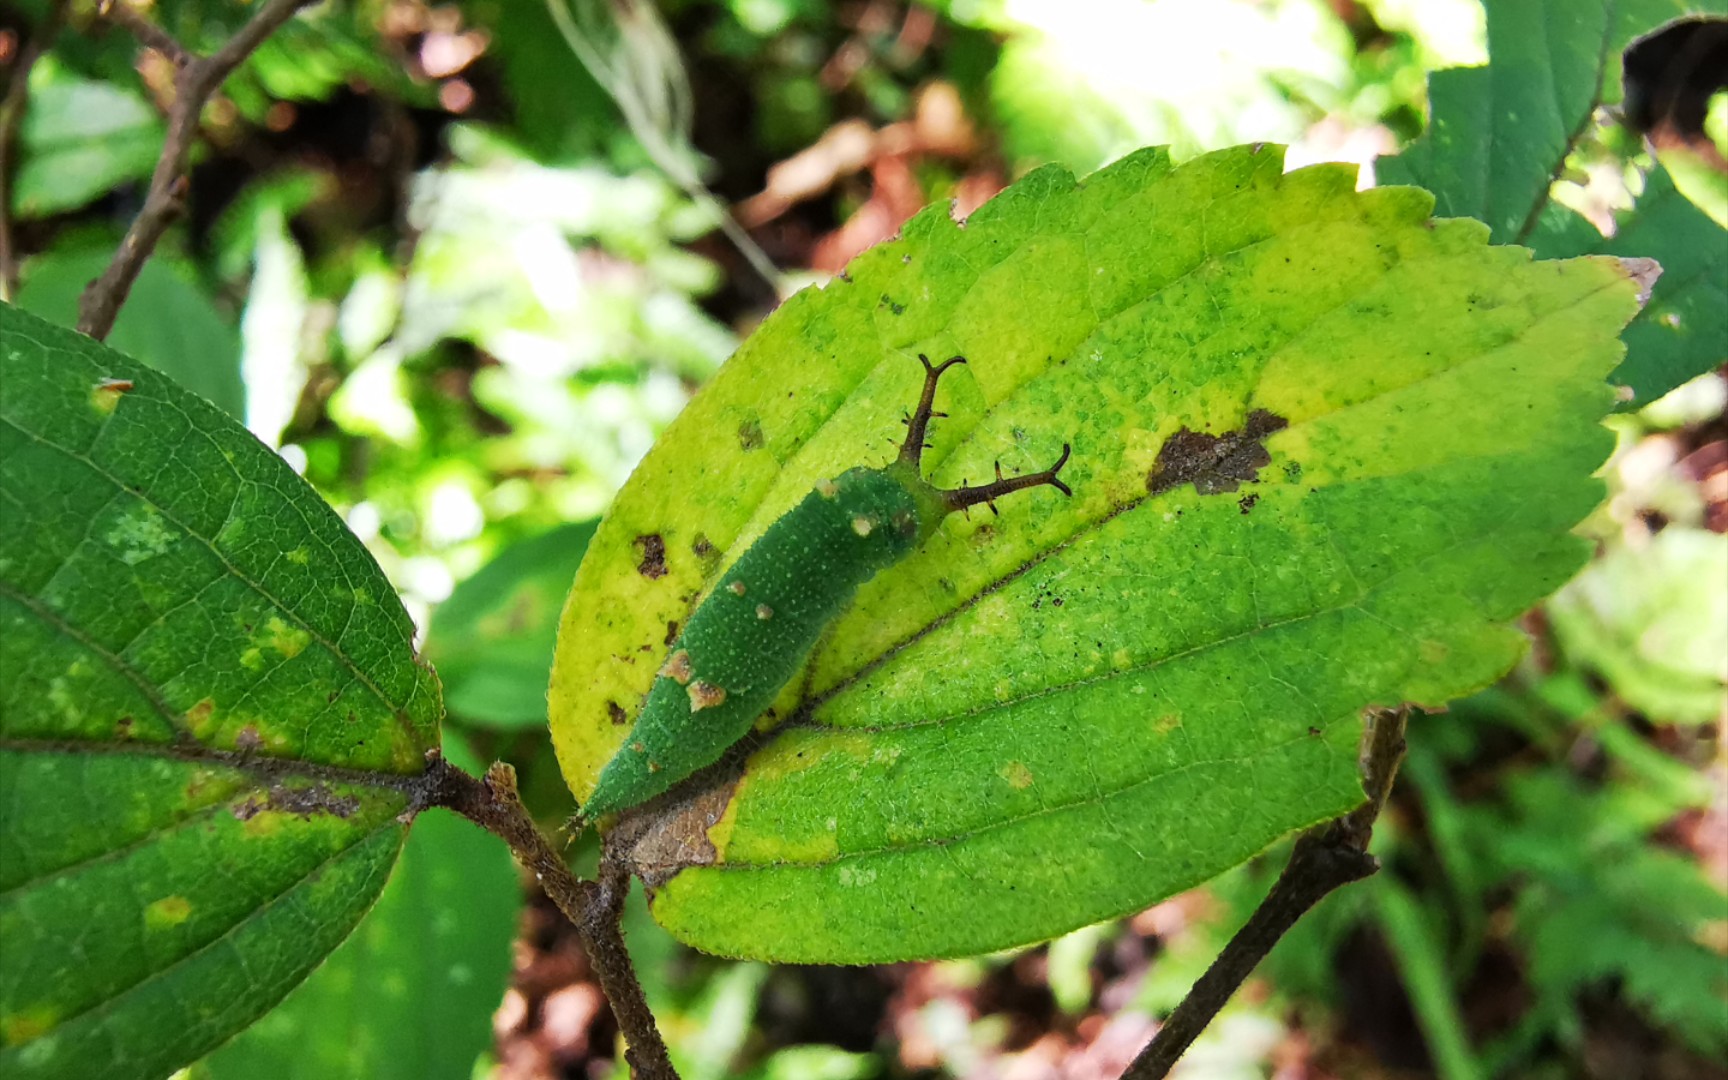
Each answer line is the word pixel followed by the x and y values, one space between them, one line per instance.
pixel 411 993
pixel 170 322
pixel 209 709
pixel 80 138
pixel 492 640
pixel 1683 331
pixel 1655 623
pixel 1500 136
pixel 1061 715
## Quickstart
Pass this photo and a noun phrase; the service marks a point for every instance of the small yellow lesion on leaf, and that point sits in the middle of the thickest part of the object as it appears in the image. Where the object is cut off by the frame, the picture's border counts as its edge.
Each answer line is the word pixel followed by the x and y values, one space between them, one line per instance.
pixel 1019 777
pixel 167 912
pixel 299 556
pixel 862 525
pixel 139 535
pixel 763 611
pixel 28 1025
pixel 1167 723
pixel 105 395
pixel 736 588
pixel 285 639
pixel 261 823
pixel 199 718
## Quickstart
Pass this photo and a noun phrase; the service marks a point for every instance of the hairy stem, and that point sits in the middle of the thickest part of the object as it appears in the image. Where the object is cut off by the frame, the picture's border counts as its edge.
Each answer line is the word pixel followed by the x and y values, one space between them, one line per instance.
pixel 1324 858
pixel 593 907
pixel 196 80
pixel 12 108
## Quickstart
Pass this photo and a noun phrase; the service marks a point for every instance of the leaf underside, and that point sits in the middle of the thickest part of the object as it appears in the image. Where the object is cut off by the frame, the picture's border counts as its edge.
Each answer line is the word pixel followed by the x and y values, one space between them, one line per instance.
pixel 209 708
pixel 1324 448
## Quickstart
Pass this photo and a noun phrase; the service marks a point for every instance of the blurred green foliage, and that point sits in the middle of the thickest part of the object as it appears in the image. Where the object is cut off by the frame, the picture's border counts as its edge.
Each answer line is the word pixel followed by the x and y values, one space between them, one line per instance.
pixel 464 302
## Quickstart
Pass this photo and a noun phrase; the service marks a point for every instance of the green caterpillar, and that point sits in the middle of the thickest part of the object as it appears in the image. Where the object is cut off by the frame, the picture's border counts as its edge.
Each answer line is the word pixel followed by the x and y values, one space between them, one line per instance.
pixel 746 640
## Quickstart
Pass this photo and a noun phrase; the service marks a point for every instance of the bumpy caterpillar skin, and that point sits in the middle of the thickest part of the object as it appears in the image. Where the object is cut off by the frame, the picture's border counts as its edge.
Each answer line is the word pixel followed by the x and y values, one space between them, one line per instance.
pixel 747 639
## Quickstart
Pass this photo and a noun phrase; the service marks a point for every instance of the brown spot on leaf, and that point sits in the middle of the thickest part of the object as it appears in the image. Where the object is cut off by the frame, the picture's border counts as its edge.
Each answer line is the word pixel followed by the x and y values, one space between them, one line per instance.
pixel 653 564
pixel 662 840
pixel 763 611
pixel 248 739
pixel 615 713
pixel 305 802
pixel 1215 463
pixel 671 631
pixel 1247 502
pixel 702 547
pixel 736 588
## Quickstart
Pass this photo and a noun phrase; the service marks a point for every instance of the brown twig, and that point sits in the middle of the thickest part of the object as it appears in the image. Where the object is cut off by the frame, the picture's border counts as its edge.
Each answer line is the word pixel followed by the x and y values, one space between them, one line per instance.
pixel 148 33
pixel 1324 858
pixel 593 907
pixel 196 80
pixel 12 108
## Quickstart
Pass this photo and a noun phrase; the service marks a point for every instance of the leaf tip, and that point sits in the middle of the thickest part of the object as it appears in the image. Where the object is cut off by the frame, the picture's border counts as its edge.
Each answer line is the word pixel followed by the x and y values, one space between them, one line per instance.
pixel 1643 273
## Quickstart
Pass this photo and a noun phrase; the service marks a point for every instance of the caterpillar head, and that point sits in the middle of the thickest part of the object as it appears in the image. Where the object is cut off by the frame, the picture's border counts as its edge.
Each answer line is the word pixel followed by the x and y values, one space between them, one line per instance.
pixel 942 501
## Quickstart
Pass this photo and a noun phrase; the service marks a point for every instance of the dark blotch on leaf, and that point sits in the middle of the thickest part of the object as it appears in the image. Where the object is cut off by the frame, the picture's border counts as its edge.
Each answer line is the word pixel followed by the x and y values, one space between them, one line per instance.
pixel 1247 502
pixel 671 631
pixel 615 713
pixel 653 564
pixel 306 802
pixel 671 834
pixel 703 548
pixel 1215 463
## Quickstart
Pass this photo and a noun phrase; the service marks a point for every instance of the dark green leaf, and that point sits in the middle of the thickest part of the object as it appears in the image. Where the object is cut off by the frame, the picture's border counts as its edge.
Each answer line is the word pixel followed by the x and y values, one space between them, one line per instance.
pixel 210 713
pixel 492 640
pixel 1683 331
pixel 411 993
pixel 1499 137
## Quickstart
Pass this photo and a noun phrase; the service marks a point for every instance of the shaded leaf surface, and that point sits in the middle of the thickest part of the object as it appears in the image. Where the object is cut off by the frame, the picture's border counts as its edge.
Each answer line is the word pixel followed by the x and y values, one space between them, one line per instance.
pixel 412 991
pixel 1498 138
pixel 209 709
pixel 492 640
pixel 1063 714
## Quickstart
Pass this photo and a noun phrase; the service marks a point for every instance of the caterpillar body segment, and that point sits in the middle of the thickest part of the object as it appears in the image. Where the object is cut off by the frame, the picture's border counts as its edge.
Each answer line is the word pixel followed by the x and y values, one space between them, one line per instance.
pixel 753 632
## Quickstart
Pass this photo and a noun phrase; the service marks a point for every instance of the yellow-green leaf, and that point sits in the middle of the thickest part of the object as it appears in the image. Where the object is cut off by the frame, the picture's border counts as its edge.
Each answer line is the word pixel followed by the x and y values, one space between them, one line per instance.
pixel 1324 449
